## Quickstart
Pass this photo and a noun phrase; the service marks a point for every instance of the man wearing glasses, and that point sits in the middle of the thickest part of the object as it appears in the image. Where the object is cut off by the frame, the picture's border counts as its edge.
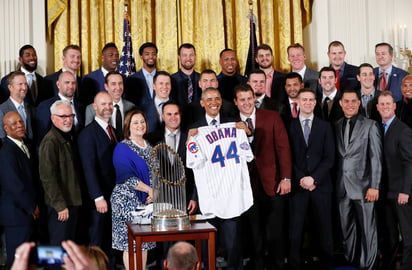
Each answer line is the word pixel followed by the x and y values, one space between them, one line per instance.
pixel 59 174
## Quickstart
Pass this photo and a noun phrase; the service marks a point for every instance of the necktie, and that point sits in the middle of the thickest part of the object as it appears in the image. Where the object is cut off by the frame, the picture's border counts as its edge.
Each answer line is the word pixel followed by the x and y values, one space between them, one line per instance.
pixel 294 109
pixel 382 81
pixel 384 125
pixel 111 135
pixel 75 121
pixel 189 90
pixel 337 84
pixel 22 113
pixel 249 124
pixel 325 108
pixel 172 145
pixel 213 122
pixel 306 130
pixel 118 117
pixel 25 149
pixel 346 134
pixel 257 103
pixel 30 79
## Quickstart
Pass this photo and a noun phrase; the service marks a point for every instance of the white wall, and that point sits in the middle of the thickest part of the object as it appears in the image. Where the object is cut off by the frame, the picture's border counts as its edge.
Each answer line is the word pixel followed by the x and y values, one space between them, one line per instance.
pixel 358 24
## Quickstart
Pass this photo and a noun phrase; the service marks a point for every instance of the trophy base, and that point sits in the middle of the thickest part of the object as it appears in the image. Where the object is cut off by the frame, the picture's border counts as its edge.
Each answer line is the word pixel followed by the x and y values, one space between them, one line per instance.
pixel 170 222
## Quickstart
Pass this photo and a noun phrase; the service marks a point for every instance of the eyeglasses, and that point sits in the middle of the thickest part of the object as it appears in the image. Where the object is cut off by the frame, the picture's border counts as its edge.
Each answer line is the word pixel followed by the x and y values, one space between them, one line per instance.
pixel 65 115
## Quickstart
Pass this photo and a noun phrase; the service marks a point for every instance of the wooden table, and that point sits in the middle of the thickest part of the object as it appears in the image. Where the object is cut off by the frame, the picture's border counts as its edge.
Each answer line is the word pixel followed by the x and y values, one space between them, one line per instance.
pixel 144 233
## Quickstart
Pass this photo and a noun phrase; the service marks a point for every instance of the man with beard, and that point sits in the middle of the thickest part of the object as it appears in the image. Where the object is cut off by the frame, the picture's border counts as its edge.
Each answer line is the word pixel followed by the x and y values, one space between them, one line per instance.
pixel 229 77
pixel 28 65
pixel 139 86
pixel 185 88
pixel 329 98
pixel 404 106
pixel 293 84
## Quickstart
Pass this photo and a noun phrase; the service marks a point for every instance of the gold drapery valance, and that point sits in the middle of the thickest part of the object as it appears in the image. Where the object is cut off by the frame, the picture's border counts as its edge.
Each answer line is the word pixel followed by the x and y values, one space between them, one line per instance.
pixel 210 25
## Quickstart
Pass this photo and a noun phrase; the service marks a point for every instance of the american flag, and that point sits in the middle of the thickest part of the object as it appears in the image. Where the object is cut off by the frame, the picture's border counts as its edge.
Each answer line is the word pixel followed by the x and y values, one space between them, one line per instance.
pixel 127 65
pixel 250 62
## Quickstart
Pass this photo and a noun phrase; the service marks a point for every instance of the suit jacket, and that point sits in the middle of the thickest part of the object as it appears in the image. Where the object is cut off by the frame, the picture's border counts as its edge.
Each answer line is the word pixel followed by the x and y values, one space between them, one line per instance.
pixel 227 85
pixel 272 152
pixel 43 121
pixel 315 159
pixel 137 91
pixel 91 113
pixel 394 83
pixel 17 187
pixel 348 80
pixel 310 79
pixel 335 111
pixel 8 106
pixel 51 86
pixel 359 166
pixel 42 92
pixel 92 83
pixel 179 87
pixel 404 112
pixel 371 109
pixel 397 145
pixel 158 137
pixel 278 86
pixel 96 152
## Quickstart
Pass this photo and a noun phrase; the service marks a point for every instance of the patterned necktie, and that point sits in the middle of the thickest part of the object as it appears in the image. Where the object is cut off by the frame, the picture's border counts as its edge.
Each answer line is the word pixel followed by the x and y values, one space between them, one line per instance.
pixel 25 150
pixel 249 124
pixel 257 103
pixel 306 130
pixel 294 109
pixel 337 84
pixel 382 81
pixel 213 122
pixel 189 90
pixel 22 113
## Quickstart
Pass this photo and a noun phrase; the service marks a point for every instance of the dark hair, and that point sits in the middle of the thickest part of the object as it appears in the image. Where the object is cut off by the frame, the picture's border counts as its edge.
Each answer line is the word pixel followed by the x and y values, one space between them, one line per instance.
pixel 386 93
pixel 109 45
pixel 255 71
pixel 226 50
pixel 71 47
pixel 186 46
pixel 327 69
pixel 335 43
pixel 13 75
pixel 264 47
pixel 171 102
pixel 242 88
pixel 25 47
pixel 111 73
pixel 207 71
pixel 292 75
pixel 306 90
pixel 146 45
pixel 296 46
pixel 128 120
pixel 385 44
pixel 364 65
pixel 351 91
pixel 160 73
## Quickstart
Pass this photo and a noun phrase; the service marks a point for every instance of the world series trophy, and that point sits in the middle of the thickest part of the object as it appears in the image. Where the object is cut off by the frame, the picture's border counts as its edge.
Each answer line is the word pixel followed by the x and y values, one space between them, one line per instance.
pixel 169 191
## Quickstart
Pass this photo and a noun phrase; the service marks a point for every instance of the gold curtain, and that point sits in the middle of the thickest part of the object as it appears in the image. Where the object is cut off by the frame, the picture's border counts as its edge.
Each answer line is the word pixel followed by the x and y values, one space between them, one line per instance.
pixel 210 25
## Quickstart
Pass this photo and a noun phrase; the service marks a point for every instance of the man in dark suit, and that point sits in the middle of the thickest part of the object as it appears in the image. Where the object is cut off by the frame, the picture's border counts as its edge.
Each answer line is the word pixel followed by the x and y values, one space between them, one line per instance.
pixel 345 73
pixel 17 87
pixel 18 207
pixel 313 152
pixel 139 86
pixel 67 89
pixel 388 77
pixel 275 80
pixel 193 112
pixel 296 58
pixel 329 98
pixel 359 153
pixel 270 175
pixel 96 143
pixel 185 82
pixel 93 82
pixel 72 60
pixel 404 106
pixel 369 95
pixel 114 86
pixel 28 65
pixel 397 184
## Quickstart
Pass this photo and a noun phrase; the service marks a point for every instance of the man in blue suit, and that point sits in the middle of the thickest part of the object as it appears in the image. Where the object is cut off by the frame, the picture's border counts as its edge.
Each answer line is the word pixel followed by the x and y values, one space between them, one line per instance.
pixel 139 86
pixel 313 152
pixel 18 207
pixel 388 77
pixel 96 143
pixel 93 82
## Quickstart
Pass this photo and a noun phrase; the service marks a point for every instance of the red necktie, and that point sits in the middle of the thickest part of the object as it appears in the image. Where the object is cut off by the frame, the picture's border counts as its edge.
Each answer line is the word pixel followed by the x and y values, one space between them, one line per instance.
pixel 294 110
pixel 382 81
pixel 337 84
pixel 111 135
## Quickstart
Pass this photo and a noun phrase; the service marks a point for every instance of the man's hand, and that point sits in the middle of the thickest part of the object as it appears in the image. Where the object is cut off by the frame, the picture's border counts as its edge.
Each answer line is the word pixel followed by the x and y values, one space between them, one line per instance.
pixel 283 187
pixel 308 183
pixel 403 198
pixel 192 132
pixel 372 195
pixel 101 206
pixel 242 125
pixel 77 259
pixel 63 215
pixel 191 208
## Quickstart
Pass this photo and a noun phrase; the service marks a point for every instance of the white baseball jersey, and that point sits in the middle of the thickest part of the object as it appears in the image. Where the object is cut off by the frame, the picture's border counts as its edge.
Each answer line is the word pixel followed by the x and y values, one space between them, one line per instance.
pixel 218 158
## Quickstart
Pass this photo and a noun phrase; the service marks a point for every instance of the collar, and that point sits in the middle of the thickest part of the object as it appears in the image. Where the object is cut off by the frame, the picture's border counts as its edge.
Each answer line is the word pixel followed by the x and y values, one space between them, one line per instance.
pixel 147 73
pixel 65 98
pixel 15 103
pixel 18 142
pixel 25 71
pixel 389 122
pixel 260 99
pixel 252 116
pixel 101 122
pixel 302 71
pixel 302 119
pixel 331 96
pixel 388 71
pixel 104 71
pixel 167 132
pixel 209 119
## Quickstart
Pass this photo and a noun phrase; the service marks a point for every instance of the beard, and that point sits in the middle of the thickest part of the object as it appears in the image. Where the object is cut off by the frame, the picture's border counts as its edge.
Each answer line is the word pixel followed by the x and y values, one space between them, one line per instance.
pixel 29 68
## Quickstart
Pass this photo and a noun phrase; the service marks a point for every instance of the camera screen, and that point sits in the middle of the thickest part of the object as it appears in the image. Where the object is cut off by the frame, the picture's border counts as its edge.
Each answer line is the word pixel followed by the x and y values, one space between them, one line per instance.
pixel 50 255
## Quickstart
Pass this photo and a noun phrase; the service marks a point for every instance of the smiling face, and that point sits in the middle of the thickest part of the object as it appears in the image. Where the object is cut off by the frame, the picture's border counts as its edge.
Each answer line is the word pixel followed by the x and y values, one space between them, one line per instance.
pixel 149 57
pixel 162 87
pixel 386 107
pixel 18 88
pixel 14 125
pixel 366 78
pixel 114 86
pixel 103 105
pixel 245 102
pixel 211 101
pixel 296 57
pixel 228 62
pixel 327 81
pixel 187 58
pixel 258 83
pixel 292 87
pixel 138 126
pixel 29 59
pixel 306 102
pixel 171 117
pixel 72 60
pixel 336 56
pixel 406 88
pixel 264 58
pixel 110 59
pixel 63 118
pixel 350 104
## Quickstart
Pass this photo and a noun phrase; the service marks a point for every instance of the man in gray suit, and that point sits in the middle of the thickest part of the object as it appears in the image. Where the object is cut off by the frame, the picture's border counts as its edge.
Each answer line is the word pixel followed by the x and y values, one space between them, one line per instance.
pixel 114 86
pixel 17 84
pixel 359 152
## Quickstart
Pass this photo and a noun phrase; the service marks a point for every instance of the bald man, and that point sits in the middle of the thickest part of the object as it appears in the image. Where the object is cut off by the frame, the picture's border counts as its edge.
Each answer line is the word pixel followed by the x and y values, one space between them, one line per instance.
pixel 182 256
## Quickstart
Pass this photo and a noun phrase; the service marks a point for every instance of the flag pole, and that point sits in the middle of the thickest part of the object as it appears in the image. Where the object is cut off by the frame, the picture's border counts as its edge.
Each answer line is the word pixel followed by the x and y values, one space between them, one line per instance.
pixel 250 62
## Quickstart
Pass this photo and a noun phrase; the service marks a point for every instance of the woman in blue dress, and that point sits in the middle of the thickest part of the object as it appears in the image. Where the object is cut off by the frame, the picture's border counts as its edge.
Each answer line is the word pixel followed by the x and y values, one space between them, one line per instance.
pixel 133 181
